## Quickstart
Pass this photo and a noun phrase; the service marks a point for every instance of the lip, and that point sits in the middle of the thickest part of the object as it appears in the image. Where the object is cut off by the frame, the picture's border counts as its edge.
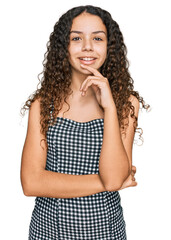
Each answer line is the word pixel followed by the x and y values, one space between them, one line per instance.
pixel 87 57
pixel 86 62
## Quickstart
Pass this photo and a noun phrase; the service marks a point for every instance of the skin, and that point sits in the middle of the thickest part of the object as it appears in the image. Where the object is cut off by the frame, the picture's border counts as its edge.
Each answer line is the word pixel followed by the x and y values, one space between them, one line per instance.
pixel 85 42
pixel 104 97
pixel 89 38
pixel 91 91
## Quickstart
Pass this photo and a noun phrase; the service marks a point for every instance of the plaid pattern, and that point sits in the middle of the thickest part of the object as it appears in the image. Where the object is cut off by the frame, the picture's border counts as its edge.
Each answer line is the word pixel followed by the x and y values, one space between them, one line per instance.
pixel 74 148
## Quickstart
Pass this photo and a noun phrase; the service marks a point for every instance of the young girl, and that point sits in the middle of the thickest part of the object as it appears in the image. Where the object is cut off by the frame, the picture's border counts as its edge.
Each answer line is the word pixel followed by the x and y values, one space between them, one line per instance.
pixel 82 120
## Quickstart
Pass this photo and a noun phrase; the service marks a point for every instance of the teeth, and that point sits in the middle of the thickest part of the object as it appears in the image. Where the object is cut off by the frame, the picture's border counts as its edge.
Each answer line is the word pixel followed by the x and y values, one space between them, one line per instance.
pixel 87 59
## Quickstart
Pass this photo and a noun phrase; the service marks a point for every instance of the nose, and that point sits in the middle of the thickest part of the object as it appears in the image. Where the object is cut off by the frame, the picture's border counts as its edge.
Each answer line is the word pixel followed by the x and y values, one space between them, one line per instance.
pixel 87 45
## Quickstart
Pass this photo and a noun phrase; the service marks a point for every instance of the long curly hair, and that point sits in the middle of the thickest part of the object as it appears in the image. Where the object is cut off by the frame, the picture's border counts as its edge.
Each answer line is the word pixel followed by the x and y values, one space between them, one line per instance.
pixel 55 82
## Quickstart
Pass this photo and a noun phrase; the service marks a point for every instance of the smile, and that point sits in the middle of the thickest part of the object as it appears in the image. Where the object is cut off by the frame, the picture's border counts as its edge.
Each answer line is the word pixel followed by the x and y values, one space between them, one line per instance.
pixel 87 60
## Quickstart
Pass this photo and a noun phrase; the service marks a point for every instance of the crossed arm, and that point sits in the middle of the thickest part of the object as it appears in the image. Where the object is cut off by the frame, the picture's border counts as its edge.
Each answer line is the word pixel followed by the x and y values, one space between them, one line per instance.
pixel 36 181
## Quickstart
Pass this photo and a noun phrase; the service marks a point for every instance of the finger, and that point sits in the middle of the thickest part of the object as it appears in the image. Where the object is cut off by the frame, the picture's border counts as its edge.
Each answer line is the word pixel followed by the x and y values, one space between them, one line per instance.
pixel 92 70
pixel 133 179
pixel 134 184
pixel 87 80
pixel 92 81
pixel 134 169
pixel 132 173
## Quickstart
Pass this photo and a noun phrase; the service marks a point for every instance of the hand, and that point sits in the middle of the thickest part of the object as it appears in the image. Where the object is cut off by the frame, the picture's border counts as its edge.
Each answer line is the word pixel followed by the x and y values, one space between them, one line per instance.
pixel 100 85
pixel 130 181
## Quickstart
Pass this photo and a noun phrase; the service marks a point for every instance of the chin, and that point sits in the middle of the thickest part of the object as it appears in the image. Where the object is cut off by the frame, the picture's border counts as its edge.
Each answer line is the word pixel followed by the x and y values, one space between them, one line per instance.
pixel 84 71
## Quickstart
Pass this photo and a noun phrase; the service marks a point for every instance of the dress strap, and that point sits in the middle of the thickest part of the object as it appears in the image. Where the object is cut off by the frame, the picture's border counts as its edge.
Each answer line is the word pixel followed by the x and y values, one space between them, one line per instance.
pixel 51 111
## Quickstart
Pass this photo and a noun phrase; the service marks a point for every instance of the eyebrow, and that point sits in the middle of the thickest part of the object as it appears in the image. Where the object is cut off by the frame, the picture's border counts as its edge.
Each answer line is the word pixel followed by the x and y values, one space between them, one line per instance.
pixel 92 32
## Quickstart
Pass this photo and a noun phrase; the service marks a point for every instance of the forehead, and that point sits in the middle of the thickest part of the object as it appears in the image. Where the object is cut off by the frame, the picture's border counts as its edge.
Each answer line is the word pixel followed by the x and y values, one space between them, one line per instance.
pixel 87 22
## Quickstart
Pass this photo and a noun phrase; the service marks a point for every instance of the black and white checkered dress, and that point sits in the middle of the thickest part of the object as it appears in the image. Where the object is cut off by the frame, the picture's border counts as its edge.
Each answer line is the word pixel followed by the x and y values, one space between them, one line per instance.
pixel 74 148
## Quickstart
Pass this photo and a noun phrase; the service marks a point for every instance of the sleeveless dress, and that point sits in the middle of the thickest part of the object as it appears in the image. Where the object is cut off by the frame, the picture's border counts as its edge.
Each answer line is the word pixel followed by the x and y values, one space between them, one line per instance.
pixel 74 148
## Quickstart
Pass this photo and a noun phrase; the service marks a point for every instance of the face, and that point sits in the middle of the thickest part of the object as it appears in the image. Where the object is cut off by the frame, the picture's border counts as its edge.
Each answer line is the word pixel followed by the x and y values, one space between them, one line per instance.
pixel 88 43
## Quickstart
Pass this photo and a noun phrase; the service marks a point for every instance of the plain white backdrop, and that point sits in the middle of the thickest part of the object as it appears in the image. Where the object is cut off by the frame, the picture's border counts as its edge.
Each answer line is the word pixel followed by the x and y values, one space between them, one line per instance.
pixel 25 27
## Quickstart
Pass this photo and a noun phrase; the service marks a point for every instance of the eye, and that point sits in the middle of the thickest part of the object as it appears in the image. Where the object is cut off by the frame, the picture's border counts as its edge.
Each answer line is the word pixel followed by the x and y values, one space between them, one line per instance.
pixel 76 38
pixel 98 39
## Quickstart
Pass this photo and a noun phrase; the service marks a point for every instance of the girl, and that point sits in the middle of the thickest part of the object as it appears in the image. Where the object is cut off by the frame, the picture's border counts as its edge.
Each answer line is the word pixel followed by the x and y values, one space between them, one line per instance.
pixel 75 165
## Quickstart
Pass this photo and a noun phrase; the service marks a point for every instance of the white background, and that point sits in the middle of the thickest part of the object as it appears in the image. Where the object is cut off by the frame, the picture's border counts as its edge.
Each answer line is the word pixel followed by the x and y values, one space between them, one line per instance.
pixel 25 27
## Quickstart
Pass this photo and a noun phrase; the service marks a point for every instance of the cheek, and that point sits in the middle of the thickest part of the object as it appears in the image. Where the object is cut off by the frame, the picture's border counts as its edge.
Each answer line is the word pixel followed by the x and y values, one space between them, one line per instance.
pixel 72 52
pixel 104 54
pixel 74 49
pixel 105 50
pixel 102 50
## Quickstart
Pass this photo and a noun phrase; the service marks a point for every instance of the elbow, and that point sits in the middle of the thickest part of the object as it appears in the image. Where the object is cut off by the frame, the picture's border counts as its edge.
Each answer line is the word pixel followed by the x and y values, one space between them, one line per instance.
pixel 31 181
pixel 26 192
pixel 114 183
pixel 26 186
pixel 113 187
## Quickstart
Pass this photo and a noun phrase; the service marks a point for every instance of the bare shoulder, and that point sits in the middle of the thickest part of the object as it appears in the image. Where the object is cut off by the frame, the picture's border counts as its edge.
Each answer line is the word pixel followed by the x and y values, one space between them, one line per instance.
pixel 34 112
pixel 35 108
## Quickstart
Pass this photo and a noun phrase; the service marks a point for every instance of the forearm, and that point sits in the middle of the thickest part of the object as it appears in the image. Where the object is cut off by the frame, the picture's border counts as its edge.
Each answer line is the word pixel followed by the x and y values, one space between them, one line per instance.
pixel 60 185
pixel 114 165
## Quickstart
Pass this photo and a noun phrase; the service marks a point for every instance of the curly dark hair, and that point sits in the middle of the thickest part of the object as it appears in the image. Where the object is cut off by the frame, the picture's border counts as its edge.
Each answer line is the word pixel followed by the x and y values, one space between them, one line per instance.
pixel 56 79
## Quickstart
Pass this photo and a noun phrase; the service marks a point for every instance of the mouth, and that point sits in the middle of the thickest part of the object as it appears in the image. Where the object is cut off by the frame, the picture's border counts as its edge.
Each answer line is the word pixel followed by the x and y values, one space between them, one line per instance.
pixel 87 60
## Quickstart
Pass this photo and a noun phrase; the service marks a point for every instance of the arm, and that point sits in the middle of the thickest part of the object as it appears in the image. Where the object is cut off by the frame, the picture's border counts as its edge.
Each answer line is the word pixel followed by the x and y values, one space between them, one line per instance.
pixel 130 181
pixel 128 140
pixel 116 154
pixel 36 181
